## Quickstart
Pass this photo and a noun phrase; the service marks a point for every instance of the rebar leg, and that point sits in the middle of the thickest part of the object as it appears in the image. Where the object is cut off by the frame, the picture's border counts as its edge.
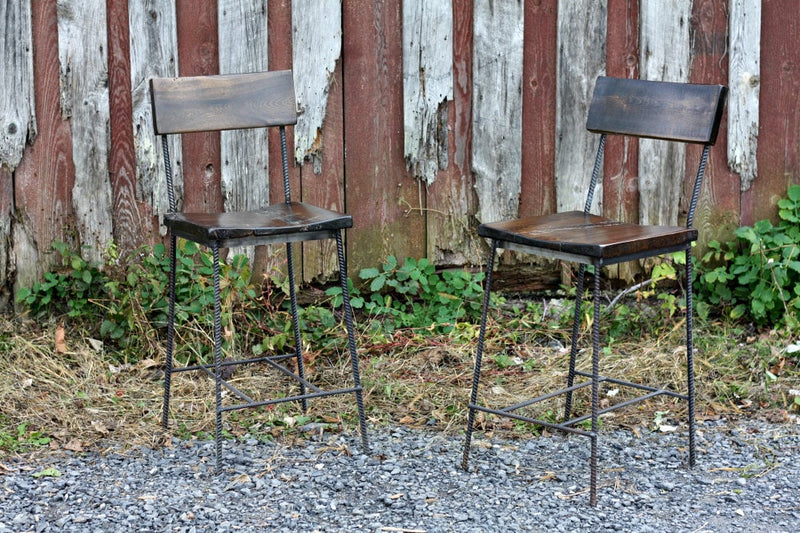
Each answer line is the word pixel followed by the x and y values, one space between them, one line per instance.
pixel 351 341
pixel 217 360
pixel 573 353
pixel 690 355
pixel 170 334
pixel 473 399
pixel 298 346
pixel 595 387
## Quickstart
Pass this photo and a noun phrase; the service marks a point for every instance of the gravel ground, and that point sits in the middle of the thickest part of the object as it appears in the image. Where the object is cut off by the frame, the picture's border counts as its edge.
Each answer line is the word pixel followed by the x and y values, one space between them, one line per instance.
pixel 747 479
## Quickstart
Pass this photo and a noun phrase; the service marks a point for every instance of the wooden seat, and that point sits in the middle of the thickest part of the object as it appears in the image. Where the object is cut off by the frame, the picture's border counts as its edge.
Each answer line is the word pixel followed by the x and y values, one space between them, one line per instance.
pixel 676 112
pixel 245 101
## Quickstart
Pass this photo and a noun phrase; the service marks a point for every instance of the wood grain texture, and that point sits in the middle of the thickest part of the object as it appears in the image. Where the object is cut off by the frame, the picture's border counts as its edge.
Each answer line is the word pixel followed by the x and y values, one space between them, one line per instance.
pixel 153 53
pixel 779 115
pixel 384 200
pixel 427 85
pixel 244 154
pixel 497 108
pixel 17 112
pixel 451 237
pixel 316 48
pixel 718 208
pixel 132 219
pixel 197 56
pixel 665 56
pixel 537 190
pixel 84 80
pixel 581 59
pixel 744 76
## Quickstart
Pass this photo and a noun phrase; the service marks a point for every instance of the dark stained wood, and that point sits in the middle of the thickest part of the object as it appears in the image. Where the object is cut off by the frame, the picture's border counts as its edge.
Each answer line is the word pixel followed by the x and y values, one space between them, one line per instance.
pixel 132 219
pixel 538 192
pixel 44 180
pixel 779 114
pixel 592 236
pixel 198 56
pixel 379 191
pixel 718 207
pixel 659 110
pixel 234 101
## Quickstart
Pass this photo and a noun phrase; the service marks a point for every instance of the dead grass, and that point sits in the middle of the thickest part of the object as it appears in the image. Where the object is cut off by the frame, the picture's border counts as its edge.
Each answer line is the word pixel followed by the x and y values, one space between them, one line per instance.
pixel 81 399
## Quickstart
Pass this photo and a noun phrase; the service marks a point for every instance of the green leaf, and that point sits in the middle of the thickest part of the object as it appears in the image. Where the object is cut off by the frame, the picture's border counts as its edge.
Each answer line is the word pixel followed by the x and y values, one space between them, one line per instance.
pixel 47 472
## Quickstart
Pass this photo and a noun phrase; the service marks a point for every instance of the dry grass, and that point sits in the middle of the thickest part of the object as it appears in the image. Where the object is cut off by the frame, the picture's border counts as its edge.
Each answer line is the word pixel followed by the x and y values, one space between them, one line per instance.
pixel 82 400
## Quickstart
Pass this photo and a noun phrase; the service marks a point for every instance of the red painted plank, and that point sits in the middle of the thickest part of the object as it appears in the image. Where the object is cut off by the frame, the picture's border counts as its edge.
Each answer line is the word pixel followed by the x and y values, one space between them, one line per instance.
pixel 621 165
pixel 451 197
pixel 133 220
pixel 538 193
pixel 718 209
pixel 44 179
pixel 198 55
pixel 779 116
pixel 379 190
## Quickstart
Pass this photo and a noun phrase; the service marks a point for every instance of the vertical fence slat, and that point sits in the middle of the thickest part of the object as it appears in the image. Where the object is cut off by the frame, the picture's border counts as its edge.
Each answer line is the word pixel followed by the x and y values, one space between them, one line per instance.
pixel 132 219
pixel 427 84
pixel 244 154
pixel 537 192
pixel 84 81
pixel 665 56
pixel 497 108
pixel 451 197
pixel 153 50
pixel 745 80
pixel 379 191
pixel 581 59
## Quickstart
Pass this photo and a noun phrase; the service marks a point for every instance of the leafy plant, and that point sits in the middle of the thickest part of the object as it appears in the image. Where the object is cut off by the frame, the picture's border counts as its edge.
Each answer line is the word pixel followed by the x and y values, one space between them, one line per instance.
pixel 757 276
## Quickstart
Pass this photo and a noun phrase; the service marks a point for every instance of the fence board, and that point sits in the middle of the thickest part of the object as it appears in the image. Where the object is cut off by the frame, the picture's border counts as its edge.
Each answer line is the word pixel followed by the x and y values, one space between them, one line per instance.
pixel 744 83
pixel 451 197
pixel 665 56
pixel 581 59
pixel 84 75
pixel 153 51
pixel 497 108
pixel 244 154
pixel 427 85
pixel 132 218
pixel 379 190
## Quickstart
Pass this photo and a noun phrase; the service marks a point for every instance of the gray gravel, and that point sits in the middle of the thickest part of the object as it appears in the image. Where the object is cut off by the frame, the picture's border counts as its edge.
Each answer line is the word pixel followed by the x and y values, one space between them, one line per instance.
pixel 747 479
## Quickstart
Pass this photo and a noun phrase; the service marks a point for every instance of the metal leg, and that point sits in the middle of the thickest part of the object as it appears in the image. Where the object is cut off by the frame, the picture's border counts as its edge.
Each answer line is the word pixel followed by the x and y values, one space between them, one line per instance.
pixel 298 343
pixel 473 399
pixel 170 334
pixel 351 341
pixel 690 355
pixel 217 359
pixel 576 328
pixel 595 386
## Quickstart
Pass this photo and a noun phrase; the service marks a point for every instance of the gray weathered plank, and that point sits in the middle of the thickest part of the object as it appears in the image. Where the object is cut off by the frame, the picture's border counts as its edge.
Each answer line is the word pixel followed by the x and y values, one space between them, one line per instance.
pixel 17 112
pixel 84 98
pixel 154 45
pixel 244 153
pixel 497 108
pixel 316 47
pixel 665 56
pixel 580 60
pixel 744 81
pixel 427 84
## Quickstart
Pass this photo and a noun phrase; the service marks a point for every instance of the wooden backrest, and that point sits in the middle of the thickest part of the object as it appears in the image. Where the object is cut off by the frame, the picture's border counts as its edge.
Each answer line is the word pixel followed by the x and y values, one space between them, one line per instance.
pixel 236 101
pixel 656 109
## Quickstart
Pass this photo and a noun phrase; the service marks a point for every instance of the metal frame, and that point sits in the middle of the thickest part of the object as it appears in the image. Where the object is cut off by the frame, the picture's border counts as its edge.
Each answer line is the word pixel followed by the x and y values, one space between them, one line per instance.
pixel 307 389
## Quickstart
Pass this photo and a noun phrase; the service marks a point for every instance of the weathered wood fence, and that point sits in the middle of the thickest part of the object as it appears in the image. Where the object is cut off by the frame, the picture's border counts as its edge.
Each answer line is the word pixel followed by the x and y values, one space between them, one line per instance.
pixel 419 117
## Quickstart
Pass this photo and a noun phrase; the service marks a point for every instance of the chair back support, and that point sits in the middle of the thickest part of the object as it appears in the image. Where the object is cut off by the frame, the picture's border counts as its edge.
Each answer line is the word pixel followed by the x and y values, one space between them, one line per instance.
pixel 683 112
pixel 212 103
